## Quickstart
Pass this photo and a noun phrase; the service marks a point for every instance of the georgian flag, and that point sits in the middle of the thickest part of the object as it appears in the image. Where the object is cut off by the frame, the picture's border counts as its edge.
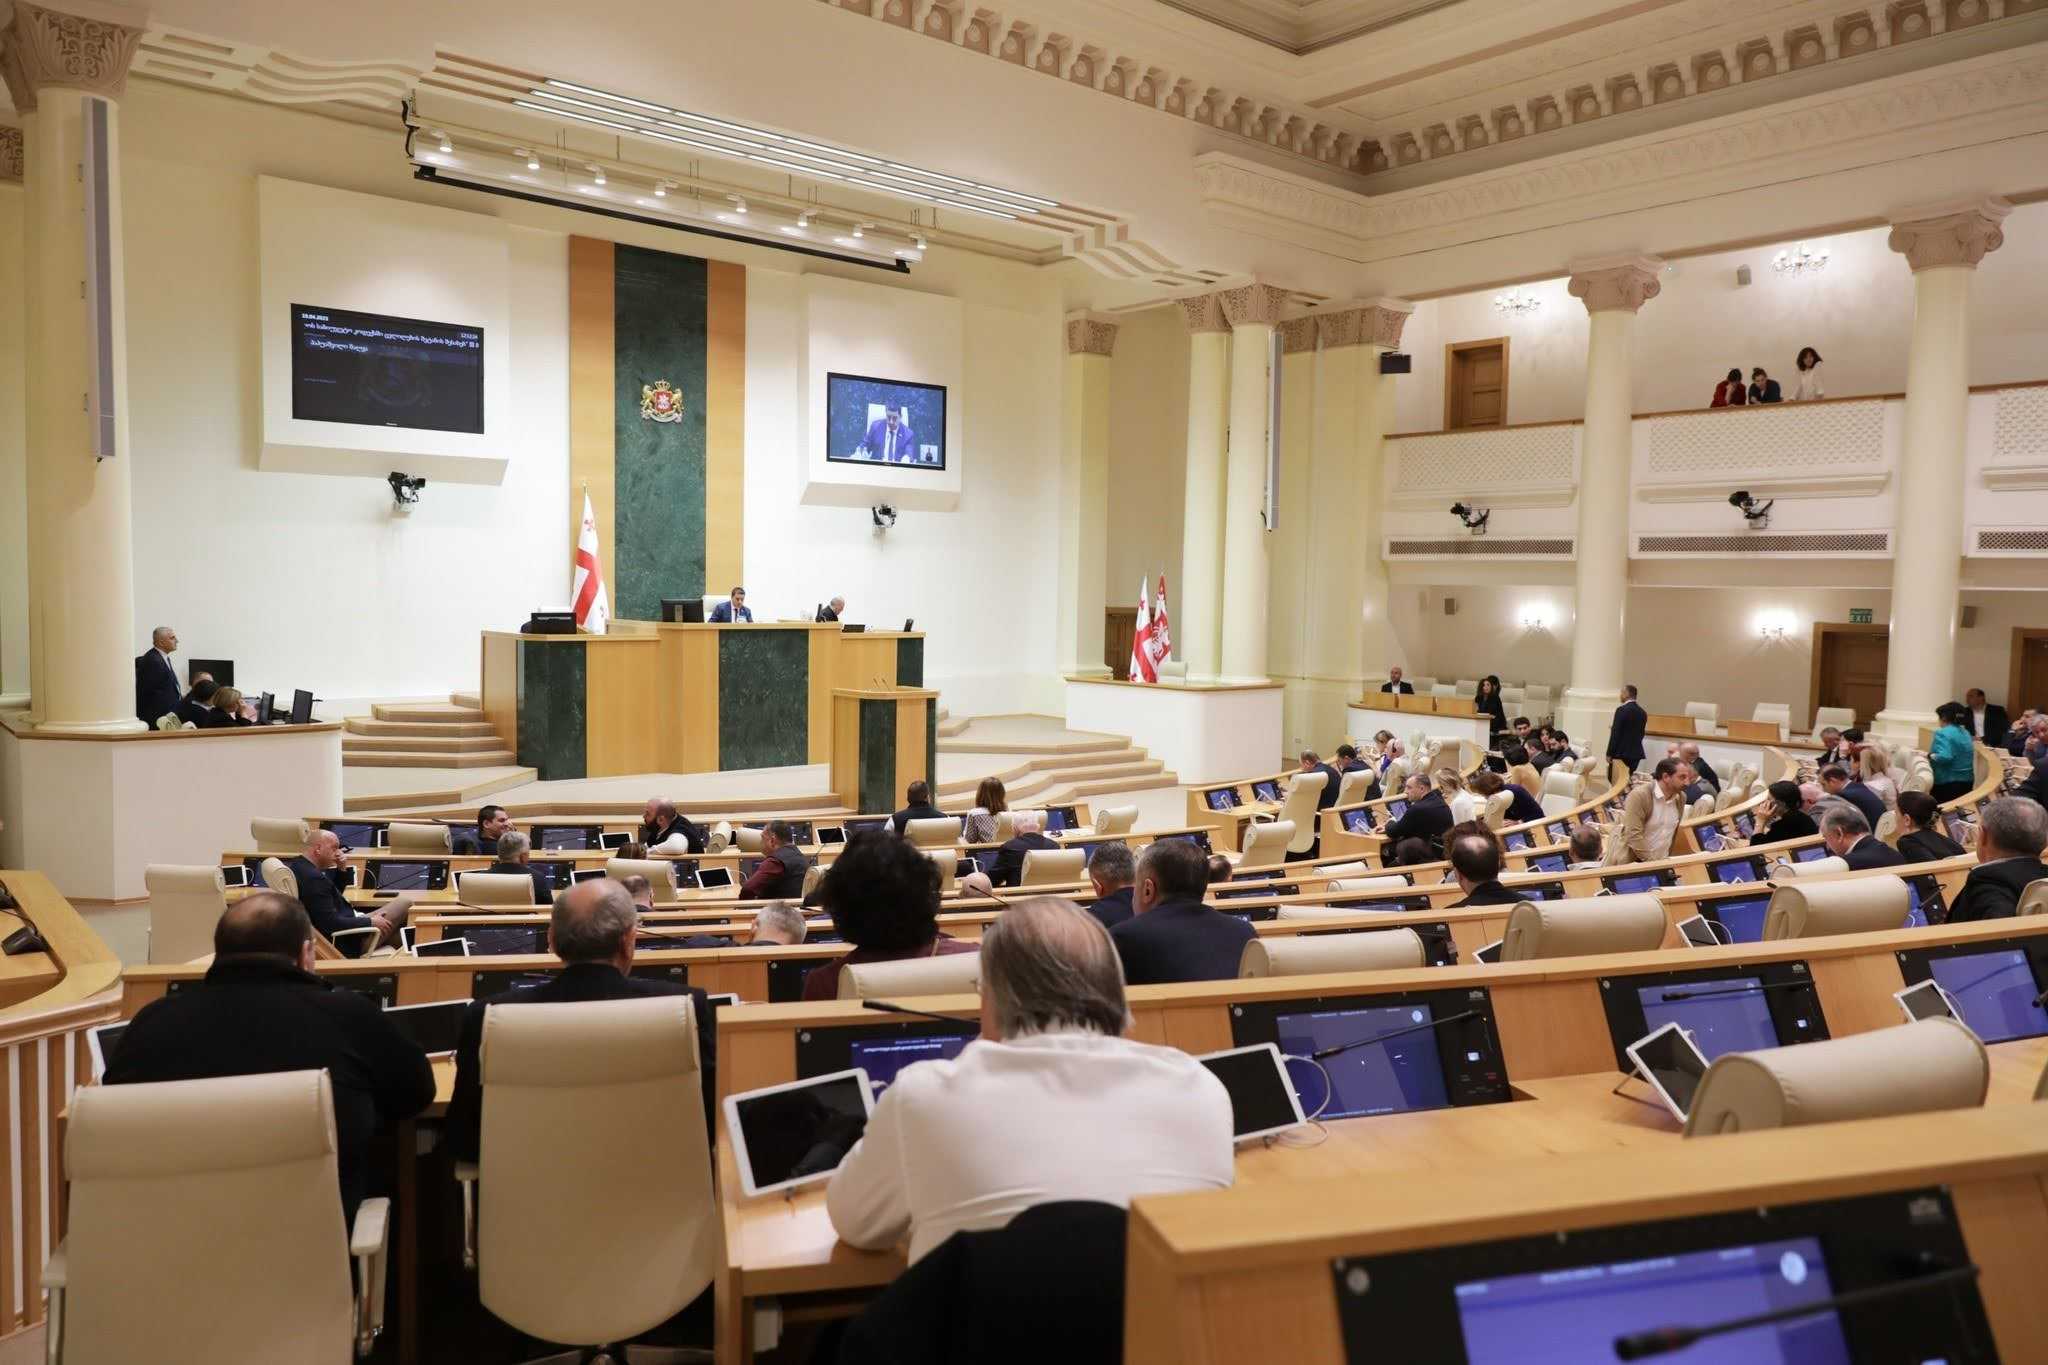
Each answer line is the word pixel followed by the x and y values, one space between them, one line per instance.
pixel 1142 667
pixel 593 608
pixel 1161 643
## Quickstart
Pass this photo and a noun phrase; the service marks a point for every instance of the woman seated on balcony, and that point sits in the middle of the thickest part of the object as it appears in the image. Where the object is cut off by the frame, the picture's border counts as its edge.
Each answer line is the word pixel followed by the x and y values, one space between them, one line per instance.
pixel 1730 393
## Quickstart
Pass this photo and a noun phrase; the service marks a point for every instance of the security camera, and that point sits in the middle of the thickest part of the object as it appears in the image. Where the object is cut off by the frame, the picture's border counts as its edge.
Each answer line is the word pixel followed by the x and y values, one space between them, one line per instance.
pixel 1758 515
pixel 405 488
pixel 1475 518
pixel 884 515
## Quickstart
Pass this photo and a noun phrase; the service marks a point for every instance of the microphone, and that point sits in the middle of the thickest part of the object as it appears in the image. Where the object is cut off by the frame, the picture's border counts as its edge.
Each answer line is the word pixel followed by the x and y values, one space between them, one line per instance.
pixel 1321 1053
pixel 1663 1340
pixel 891 1007
pixel 1733 990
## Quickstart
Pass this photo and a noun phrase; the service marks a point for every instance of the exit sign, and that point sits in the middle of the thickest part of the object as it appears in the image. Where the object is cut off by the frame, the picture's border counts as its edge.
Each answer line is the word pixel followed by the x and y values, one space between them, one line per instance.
pixel 1859 616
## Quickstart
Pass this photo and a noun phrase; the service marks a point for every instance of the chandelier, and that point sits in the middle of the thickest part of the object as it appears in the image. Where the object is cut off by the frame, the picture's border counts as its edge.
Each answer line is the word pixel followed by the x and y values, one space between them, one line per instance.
pixel 1516 302
pixel 1801 260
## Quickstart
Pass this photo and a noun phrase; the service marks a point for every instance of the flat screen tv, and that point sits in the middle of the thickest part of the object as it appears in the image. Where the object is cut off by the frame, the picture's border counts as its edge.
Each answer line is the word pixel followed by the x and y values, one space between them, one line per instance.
pixel 371 370
pixel 885 422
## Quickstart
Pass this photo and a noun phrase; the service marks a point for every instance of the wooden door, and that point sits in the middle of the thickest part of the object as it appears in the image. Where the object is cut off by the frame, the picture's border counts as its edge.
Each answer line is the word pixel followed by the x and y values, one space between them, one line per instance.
pixel 2029 684
pixel 1476 384
pixel 1119 624
pixel 1851 662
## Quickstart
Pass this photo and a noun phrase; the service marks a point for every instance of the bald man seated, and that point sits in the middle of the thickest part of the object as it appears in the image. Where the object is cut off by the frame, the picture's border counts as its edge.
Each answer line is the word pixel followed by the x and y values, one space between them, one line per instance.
pixel 260 1009
pixel 318 871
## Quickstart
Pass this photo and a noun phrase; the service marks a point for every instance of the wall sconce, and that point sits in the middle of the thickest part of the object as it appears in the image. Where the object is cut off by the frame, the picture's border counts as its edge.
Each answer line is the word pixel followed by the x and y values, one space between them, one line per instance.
pixel 1774 625
pixel 1536 616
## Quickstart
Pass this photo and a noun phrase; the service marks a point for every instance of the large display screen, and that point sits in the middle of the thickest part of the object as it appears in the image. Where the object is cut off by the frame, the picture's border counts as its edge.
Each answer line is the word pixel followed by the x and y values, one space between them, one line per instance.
pixel 884 421
pixel 1728 1015
pixel 371 370
pixel 1995 992
pixel 1398 1076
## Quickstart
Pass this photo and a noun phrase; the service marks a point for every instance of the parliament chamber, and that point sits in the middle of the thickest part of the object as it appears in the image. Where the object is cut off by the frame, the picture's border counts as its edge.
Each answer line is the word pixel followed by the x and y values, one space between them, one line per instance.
pixel 652 824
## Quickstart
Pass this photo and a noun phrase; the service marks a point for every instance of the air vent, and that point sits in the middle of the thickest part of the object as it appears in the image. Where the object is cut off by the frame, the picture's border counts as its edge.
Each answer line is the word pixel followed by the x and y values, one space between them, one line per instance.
pixel 2012 542
pixel 1832 543
pixel 1482 547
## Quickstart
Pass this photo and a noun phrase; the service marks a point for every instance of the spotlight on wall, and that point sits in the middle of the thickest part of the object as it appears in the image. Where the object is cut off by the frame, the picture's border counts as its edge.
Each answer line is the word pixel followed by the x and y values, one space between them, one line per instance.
pixel 739 205
pixel 803 220
pixel 661 189
pixel 532 161
pixel 1756 514
pixel 884 516
pixel 1475 518
pixel 596 173
pixel 405 489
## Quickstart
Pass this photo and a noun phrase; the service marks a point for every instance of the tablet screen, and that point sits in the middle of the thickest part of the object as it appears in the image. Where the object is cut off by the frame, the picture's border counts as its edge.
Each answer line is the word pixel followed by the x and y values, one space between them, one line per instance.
pixel 430 1028
pixel 1735 870
pixel 883 1058
pixel 714 878
pixel 1674 1064
pixel 1265 791
pixel 1261 1096
pixel 794 1132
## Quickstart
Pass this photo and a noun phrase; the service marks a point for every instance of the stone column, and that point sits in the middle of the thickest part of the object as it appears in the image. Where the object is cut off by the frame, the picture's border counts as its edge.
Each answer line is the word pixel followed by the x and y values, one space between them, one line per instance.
pixel 1253 312
pixel 1196 616
pixel 81 590
pixel 13 431
pixel 1612 288
pixel 1293 551
pixel 1084 495
pixel 1942 243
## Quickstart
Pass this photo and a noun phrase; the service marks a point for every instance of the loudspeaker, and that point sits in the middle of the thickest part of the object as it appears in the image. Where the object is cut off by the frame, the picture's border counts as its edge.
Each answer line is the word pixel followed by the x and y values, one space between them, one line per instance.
pixel 1450 606
pixel 1968 617
pixel 1741 276
pixel 99 274
pixel 1396 362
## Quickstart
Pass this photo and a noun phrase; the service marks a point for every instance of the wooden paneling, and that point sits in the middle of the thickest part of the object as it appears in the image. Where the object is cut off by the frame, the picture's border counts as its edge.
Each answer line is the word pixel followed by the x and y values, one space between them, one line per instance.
pixel 846 751
pixel 592 328
pixel 725 417
pixel 866 662
pixel 910 741
pixel 1849 664
pixel 1552 1028
pixel 2027 683
pixel 1476 384
pixel 500 695
pixel 824 671
pixel 621 681
pixel 2006 1221
pixel 694 695
pixel 1119 628
pixel 1856 992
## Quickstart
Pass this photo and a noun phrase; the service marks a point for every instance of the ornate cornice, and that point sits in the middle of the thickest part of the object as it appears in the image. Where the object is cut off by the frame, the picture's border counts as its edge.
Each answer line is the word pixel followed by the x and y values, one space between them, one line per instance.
pixel 1298 336
pixel 11 167
pixel 1088 334
pixel 1203 313
pixel 1378 323
pixel 1616 282
pixel 46 48
pixel 1253 305
pixel 1949 234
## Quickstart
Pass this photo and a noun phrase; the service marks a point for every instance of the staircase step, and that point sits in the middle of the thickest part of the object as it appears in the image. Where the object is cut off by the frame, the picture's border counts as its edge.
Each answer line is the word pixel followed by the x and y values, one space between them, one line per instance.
pixel 357 725
pixel 473 700
pixel 432 711
pixel 1110 786
pixel 483 758
pixel 439 744
pixel 949 728
pixel 968 744
pixel 1038 768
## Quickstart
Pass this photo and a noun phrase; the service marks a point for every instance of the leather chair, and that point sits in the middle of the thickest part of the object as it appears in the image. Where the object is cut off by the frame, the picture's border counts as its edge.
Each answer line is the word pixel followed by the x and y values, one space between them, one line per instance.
pixel 149 1165
pixel 1776 713
pixel 1861 905
pixel 1583 928
pixel 660 874
pixel 484 889
pixel 275 876
pixel 1318 912
pixel 1352 787
pixel 1356 867
pixel 1382 883
pixel 416 838
pixel 1298 808
pixel 1053 867
pixel 1560 790
pixel 939 974
pixel 185 903
pixel 2034 899
pixel 611 1075
pixel 1379 950
pixel 747 838
pixel 1911 1069
pixel 1265 845
pixel 718 838
pixel 939 832
pixel 815 873
pixel 1841 717
pixel 944 859
pixel 1705 716
pixel 1887 830
pixel 1116 820
pixel 1395 775
pixel 280 836
pixel 1496 812
pixel 1814 867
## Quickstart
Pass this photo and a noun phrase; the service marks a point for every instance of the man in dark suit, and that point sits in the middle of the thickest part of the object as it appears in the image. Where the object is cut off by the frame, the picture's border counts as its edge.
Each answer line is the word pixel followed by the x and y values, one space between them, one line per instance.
pixel 1836 781
pixel 1625 732
pixel 1987 722
pixel 593 930
pixel 1832 749
pixel 1312 762
pixel 262 1010
pixel 1111 871
pixel 156 682
pixel 1026 835
pixel 890 439
pixel 917 806
pixel 1555 746
pixel 2035 785
pixel 1173 936
pixel 514 855
pixel 1475 861
pixel 1427 818
pixel 1394 683
pixel 2009 844
pixel 830 611
pixel 492 822
pixel 780 873
pixel 320 892
pixel 733 608
pixel 193 706
pixel 1847 835
pixel 664 830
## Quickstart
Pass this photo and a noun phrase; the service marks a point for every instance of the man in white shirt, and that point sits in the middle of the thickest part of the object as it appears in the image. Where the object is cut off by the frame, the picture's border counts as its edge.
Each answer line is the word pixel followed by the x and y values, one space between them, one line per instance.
pixel 1051 1103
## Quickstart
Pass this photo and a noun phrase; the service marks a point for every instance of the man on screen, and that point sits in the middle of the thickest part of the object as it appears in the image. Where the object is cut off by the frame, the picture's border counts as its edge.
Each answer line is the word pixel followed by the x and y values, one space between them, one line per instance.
pixel 891 440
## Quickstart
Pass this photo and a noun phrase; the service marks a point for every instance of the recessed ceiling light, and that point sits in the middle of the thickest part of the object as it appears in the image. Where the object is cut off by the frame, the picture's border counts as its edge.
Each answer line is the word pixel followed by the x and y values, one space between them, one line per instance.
pixel 835 151
pixel 571 113
pixel 957 204
pixel 791 166
pixel 1012 194
pixel 608 95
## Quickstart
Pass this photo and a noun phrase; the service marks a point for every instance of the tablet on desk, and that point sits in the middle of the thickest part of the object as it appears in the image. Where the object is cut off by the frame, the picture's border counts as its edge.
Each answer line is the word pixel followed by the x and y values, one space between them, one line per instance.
pixel 1927 1001
pixel 1671 1064
pixel 1358 821
pixel 1223 798
pixel 1262 1098
pixel 722 998
pixel 238 875
pixel 436 947
pixel 614 839
pixel 1710 838
pixel 796 1134
pixel 1699 932
pixel 714 878
pixel 1266 791
pixel 104 1040
pixel 1491 952
pixel 830 836
pixel 433 1028
pixel 585 874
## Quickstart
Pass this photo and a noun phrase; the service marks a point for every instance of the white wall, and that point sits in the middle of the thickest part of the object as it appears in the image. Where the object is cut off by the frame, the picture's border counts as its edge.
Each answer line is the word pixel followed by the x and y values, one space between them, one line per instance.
pixel 1148 445
pixel 13 450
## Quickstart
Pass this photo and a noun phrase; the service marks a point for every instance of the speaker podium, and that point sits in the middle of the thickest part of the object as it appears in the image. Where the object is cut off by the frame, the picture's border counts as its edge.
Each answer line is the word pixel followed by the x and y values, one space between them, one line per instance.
pixel 883 739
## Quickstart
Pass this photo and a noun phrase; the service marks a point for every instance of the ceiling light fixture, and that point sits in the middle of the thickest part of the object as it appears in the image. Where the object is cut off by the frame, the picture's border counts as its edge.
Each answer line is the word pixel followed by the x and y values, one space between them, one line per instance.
pixel 834 151
pixel 792 166
pixel 1803 259
pixel 532 161
pixel 739 205
pixel 582 118
pixel 1516 302
pixel 955 203
pixel 607 95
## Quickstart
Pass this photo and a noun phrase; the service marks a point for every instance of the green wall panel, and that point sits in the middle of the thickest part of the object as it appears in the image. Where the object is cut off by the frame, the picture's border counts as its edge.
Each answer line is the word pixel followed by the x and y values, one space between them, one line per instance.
pixel 552 687
pixel 877 756
pixel 910 663
pixel 764 698
pixel 658 521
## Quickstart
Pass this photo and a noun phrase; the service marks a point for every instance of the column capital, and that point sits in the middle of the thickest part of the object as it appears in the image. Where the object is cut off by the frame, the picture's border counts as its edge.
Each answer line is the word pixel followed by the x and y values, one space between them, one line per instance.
pixel 1090 334
pixel 11 155
pixel 1956 232
pixel 1607 283
pixel 1372 322
pixel 1203 313
pixel 88 50
pixel 1253 304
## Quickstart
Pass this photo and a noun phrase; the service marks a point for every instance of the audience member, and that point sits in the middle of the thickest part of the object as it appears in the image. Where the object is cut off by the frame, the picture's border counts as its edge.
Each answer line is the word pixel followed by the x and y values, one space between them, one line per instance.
pixel 1651 814
pixel 2035 786
pixel 1987 722
pixel 1921 839
pixel 491 824
pixel 1784 809
pixel 780 924
pixel 917 805
pixel 780 873
pixel 1808 365
pixel 515 855
pixel 664 830
pixel 1394 682
pixel 1173 936
pixel 1690 755
pixel 2022 730
pixel 1486 701
pixel 1111 871
pixel 1952 754
pixel 1050 1103
pixel 1411 851
pixel 228 711
pixel 1522 808
pixel 989 802
pixel 1625 732
pixel 2010 838
pixel 1763 388
pixel 1832 750
pixel 1464 804
pixel 1810 797
pixel 1730 393
pixel 1847 835
pixel 1523 729
pixel 156 681
pixel 193 706
pixel 1347 760
pixel 830 611
pixel 320 892
pixel 2035 750
pixel 641 892
pixel 1427 817
pixel 1476 863
pixel 1875 768
pixel 1837 782
pixel 1555 747
pixel 734 608
pixel 594 930
pixel 1026 833
pixel 883 897
pixel 632 851
pixel 1311 762
pixel 1220 870
pixel 1587 848
pixel 260 1009
pixel 1390 749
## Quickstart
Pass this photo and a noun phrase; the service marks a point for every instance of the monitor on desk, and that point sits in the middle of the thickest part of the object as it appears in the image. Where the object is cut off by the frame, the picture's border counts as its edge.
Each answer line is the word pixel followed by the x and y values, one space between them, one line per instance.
pixel 1358 821
pixel 1539 891
pixel 1515 841
pixel 1733 1008
pixel 1396 808
pixel 1812 853
pixel 353 834
pixel 222 671
pixel 1559 832
pixel 1547 862
pixel 1735 870
pixel 266 708
pixel 831 836
pixel 1060 819
pixel 1266 791
pixel 433 1028
pixel 1745 824
pixel 302 706
pixel 786 975
pixel 866 825
pixel 1709 837
pixel 1742 916
pixel 683 611
pixel 1222 798
pixel 496 981
pixel 881 1049
pixel 1402 1052
pixel 503 940
pixel 1635 883
pixel 555 838
pixel 1996 986
pixel 389 876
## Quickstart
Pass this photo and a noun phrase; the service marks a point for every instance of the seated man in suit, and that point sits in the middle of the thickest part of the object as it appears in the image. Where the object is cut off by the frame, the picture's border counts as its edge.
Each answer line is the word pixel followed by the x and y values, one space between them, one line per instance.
pixel 193 706
pixel 662 830
pixel 917 806
pixel 780 873
pixel 1173 936
pixel 2010 839
pixel 1836 781
pixel 1587 848
pixel 156 681
pixel 1847 835
pixel 830 611
pixel 1555 746
pixel 1476 862
pixel 1394 683
pixel 1027 833
pixel 1427 818
pixel 1832 750
pixel 890 439
pixel 515 857
pixel 733 608
pixel 594 929
pixel 1706 778
pixel 1987 722
pixel 261 1009
pixel 492 822
pixel 1111 871
pixel 1625 737
pixel 1312 762
pixel 329 910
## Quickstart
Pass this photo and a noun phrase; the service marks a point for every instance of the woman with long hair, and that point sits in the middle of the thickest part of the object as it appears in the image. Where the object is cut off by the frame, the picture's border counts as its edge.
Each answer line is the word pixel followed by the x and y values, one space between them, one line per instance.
pixel 1808 366
pixel 1486 701
pixel 989 802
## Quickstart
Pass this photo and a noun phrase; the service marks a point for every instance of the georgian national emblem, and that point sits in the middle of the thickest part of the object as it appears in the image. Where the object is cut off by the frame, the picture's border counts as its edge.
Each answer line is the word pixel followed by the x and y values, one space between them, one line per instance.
pixel 660 403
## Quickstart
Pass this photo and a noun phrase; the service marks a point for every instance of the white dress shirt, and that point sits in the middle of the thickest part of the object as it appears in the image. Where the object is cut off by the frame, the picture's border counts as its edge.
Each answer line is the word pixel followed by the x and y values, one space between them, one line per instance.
pixel 1467 806
pixel 971 1143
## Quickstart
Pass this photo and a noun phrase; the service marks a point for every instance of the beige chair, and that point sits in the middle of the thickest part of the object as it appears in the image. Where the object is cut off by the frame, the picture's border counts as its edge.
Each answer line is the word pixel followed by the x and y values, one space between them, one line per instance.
pixel 719 838
pixel 1381 883
pixel 1053 867
pixel 1322 912
pixel 611 1075
pixel 1357 867
pixel 1395 775
pixel 660 874
pixel 1265 845
pixel 815 873
pixel 944 859
pixel 1702 807
pixel 1887 829
pixel 1776 713
pixel 1816 867
pixel 414 838
pixel 1298 808
pixel 1379 950
pixel 1584 928
pixel 280 836
pixel 747 838
pixel 1819 909
pixel 938 832
pixel 1496 812
pixel 1116 820
pixel 152 1167
pixel 275 876
pixel 1910 1069
pixel 1841 717
pixel 1006 826
pixel 939 974
pixel 2034 900
pixel 482 889
pixel 1353 786
pixel 185 903
pixel 1705 716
